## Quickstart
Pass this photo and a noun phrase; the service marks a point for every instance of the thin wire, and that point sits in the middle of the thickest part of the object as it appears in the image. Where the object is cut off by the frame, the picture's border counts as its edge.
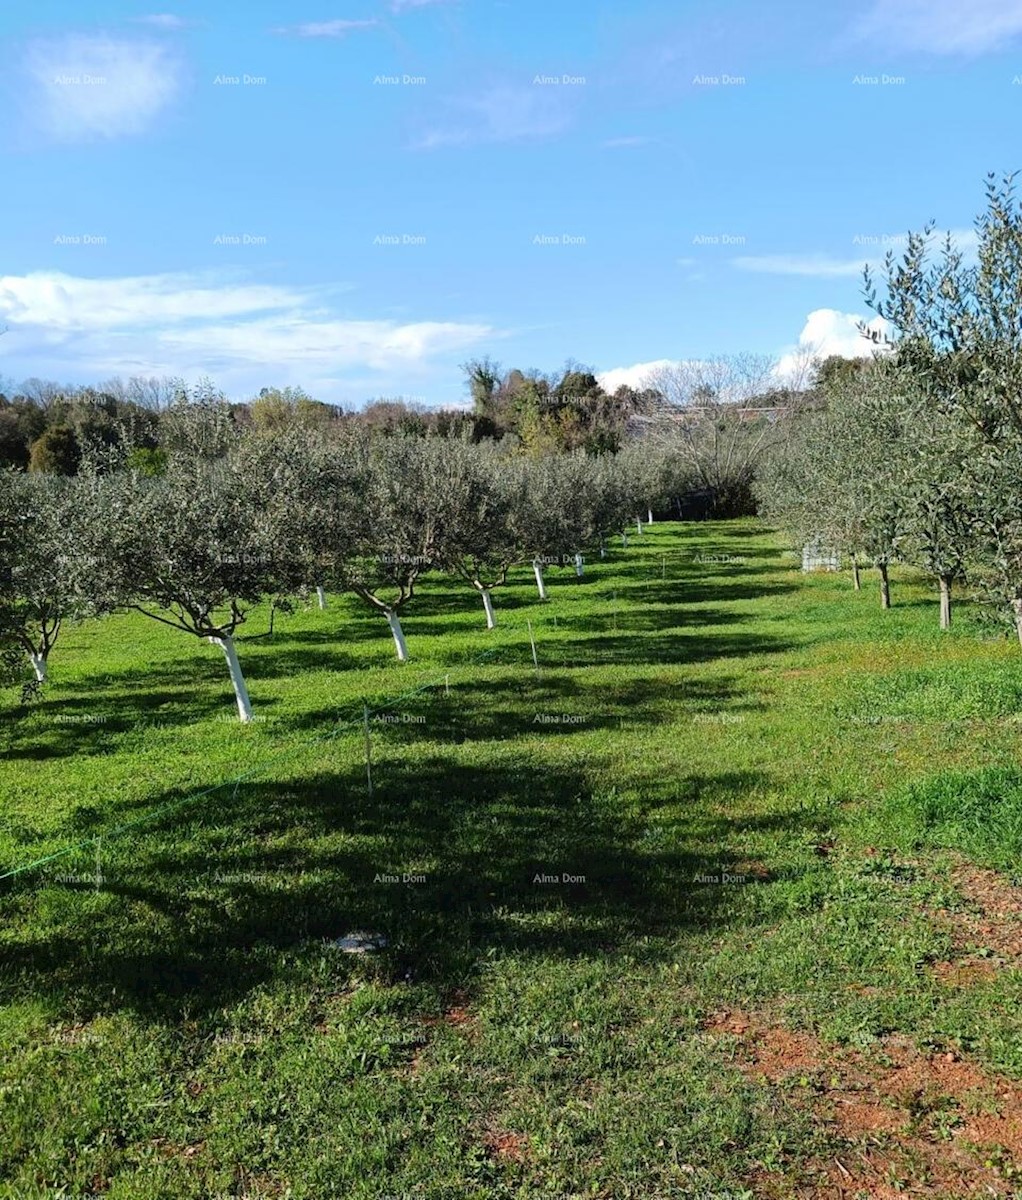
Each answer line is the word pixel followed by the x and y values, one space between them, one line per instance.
pixel 173 805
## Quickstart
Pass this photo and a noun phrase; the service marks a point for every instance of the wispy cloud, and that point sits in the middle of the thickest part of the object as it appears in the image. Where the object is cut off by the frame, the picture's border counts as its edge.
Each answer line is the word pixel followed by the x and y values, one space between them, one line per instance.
pixel 943 26
pixel 326 29
pixel 84 87
pixel 183 323
pixel 624 143
pixel 168 21
pixel 502 113
pixel 822 266
pixel 71 303
pixel 401 5
pixel 816 265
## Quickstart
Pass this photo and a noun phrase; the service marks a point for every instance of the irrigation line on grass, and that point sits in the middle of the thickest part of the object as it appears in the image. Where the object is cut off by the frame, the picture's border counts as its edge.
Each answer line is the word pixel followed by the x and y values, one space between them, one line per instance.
pixel 356 722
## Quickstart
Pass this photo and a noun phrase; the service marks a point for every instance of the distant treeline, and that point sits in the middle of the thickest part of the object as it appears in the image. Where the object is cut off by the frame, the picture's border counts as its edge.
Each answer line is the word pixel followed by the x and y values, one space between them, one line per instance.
pixel 45 426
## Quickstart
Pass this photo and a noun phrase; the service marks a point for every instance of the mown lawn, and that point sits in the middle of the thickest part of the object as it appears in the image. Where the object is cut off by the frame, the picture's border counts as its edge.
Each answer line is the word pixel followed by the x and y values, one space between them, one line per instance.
pixel 741 837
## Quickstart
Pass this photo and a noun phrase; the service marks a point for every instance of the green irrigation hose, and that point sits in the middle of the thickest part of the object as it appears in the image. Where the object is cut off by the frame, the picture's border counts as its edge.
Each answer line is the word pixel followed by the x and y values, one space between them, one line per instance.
pixel 171 806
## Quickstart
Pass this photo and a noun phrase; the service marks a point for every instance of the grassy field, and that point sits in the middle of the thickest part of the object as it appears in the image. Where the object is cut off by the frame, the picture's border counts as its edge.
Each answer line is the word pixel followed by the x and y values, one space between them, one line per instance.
pixel 719 902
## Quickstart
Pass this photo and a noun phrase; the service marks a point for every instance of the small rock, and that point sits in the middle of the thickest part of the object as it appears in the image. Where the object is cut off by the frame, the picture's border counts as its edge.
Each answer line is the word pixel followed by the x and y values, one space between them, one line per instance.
pixel 360 943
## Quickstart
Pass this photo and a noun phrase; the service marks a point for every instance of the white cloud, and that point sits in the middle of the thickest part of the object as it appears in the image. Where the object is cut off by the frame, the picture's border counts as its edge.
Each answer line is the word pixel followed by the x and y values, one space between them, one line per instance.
pixel 326 29
pixel 828 331
pixel 943 26
pixel 85 87
pixel 187 324
pixel 637 376
pixel 294 339
pixel 502 113
pixel 69 303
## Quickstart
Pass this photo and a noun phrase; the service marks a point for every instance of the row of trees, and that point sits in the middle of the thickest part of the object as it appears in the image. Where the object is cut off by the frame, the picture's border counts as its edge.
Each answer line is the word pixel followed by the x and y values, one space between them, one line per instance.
pixel 49 428
pixel 916 455
pixel 46 427
pixel 720 411
pixel 228 519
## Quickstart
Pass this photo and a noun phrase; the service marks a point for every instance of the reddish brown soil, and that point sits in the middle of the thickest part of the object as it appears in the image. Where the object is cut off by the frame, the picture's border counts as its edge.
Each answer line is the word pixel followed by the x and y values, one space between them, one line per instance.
pixel 903 1122
pixel 508 1147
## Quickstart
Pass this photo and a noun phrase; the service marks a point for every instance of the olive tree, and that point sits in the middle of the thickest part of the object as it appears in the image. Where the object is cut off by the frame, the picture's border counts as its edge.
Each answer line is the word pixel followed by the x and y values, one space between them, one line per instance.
pixel 869 419
pixel 838 477
pixel 559 513
pixel 942 523
pixel 485 502
pixel 190 549
pixel 385 522
pixel 305 490
pixel 47 570
pixel 614 494
pixel 958 330
pixel 11 651
pixel 656 472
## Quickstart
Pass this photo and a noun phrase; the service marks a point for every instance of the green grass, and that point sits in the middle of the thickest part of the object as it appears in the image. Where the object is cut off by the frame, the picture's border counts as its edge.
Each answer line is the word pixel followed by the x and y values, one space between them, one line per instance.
pixel 978 813
pixel 184 1027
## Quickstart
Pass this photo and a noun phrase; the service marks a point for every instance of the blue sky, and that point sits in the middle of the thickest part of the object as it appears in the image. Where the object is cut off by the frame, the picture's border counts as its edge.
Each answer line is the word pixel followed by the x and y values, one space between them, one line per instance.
pixel 358 196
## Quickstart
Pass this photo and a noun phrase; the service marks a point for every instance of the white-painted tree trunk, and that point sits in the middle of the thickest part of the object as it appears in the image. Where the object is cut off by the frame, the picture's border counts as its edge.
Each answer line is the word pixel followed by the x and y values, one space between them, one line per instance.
pixel 394 621
pixel 491 616
pixel 226 644
pixel 638 525
pixel 579 565
pixel 321 596
pixel 603 548
pixel 537 569
pixel 649 516
pixel 945 603
pixel 624 538
pixel 39 666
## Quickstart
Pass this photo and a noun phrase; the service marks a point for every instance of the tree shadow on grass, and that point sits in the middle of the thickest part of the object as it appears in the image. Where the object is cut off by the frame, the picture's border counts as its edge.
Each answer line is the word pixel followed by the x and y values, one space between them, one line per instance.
pixel 639 620
pixel 451 863
pixel 91 723
pixel 584 641
pixel 715 590
pixel 670 647
pixel 559 703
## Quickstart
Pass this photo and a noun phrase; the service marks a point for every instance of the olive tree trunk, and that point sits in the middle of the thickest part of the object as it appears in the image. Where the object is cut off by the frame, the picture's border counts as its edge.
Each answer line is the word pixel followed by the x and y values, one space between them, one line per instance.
pixel 491 617
pixel 537 568
pixel 226 644
pixel 400 645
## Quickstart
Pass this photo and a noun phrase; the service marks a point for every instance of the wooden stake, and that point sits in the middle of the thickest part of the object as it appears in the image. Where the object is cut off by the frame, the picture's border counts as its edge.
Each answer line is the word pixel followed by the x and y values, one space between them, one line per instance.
pixel 369 750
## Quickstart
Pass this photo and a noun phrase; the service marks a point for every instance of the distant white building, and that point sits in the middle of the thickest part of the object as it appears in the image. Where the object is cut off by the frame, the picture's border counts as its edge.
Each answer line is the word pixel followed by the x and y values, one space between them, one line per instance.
pixel 820 558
